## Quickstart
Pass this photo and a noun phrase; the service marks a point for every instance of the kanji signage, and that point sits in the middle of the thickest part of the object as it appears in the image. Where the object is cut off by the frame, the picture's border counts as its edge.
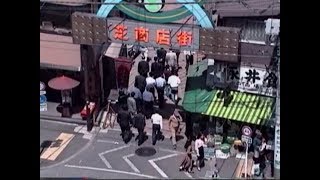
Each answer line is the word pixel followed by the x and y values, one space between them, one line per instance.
pixel 257 80
pixel 243 78
pixel 154 35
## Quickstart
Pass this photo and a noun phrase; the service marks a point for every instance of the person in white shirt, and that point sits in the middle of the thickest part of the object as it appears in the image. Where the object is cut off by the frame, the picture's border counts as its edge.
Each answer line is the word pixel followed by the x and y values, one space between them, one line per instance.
pixel 151 83
pixel 148 100
pixel 156 120
pixel 174 82
pixel 160 84
pixel 198 146
pixel 171 59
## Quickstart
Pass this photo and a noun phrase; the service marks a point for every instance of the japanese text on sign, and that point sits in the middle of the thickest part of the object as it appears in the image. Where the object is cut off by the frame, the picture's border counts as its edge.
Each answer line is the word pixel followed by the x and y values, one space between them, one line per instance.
pixel 154 35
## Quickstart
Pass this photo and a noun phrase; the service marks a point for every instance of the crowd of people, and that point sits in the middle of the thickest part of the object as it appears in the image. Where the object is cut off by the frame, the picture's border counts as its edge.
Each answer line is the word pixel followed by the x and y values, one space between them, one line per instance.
pixel 151 85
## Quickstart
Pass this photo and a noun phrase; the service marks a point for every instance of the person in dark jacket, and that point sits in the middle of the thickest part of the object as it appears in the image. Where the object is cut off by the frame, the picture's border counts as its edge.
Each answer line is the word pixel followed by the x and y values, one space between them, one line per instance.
pixel 124 120
pixel 140 123
pixel 161 53
pixel 156 68
pixel 143 68
pixel 140 83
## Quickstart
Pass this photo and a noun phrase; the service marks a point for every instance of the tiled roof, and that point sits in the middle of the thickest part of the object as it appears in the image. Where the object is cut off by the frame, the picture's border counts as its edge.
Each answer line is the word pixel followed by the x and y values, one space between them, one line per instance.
pixel 241 8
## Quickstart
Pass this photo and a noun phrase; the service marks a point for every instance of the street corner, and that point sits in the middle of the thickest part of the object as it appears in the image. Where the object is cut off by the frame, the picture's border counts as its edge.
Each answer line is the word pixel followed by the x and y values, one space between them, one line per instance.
pixel 60 147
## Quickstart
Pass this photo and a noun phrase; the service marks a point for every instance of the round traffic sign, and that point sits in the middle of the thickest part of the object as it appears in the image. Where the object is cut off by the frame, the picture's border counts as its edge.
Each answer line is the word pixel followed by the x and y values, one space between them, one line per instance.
pixel 43 99
pixel 42 86
pixel 247 131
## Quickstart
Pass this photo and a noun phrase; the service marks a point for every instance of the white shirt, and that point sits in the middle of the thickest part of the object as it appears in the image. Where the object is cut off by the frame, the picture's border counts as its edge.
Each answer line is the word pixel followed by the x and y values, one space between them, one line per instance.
pixel 157 119
pixel 174 81
pixel 147 96
pixel 198 143
pixel 160 82
pixel 150 80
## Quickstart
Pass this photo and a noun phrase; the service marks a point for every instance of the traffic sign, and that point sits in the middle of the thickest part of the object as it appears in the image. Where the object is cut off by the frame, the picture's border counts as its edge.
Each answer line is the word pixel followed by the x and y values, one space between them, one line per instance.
pixel 43 99
pixel 42 86
pixel 247 131
pixel 246 139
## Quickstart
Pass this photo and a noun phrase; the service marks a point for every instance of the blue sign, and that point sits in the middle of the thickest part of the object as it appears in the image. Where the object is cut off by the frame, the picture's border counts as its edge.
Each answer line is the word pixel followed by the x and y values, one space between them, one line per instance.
pixel 43 99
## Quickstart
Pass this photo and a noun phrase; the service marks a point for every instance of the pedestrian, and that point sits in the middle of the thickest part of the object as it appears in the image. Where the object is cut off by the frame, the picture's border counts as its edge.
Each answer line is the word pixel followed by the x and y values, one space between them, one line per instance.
pixel 156 68
pixel 125 121
pixel 151 83
pixel 177 51
pixel 199 150
pixel 140 123
pixel 160 85
pixel 186 163
pixel 174 123
pixel 143 68
pixel 161 54
pixel 171 59
pixel 132 105
pixel 140 83
pixel 89 117
pixel 156 120
pixel 167 73
pixel 137 96
pixel 189 61
pixel 148 101
pixel 174 82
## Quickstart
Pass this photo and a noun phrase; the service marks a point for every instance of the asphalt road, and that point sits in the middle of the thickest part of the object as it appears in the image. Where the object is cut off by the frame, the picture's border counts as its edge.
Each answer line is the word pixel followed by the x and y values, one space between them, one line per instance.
pixel 102 154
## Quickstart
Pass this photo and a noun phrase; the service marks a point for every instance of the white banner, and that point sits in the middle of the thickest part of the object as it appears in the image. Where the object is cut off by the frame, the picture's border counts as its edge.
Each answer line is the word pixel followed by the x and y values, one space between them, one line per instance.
pixel 257 80
pixel 277 146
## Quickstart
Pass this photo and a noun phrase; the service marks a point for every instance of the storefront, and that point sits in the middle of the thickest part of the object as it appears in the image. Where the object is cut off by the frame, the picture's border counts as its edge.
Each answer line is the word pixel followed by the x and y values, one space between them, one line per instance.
pixel 58 56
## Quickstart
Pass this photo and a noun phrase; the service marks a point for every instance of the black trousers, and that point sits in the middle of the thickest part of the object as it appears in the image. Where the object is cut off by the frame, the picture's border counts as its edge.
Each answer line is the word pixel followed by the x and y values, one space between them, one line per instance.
pixel 155 133
pixel 123 129
pixel 148 109
pixel 160 92
pixel 140 136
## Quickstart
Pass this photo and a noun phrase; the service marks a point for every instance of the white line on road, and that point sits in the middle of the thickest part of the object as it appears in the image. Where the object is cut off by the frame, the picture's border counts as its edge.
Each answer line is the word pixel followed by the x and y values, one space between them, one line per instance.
pixel 133 167
pixel 107 141
pixel 152 162
pixel 111 170
pixel 188 174
pixel 109 151
pixel 58 122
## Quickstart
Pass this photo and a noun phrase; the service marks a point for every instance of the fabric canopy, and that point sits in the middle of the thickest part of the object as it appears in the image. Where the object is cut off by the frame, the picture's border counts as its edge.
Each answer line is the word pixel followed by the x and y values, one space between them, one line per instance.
pixel 244 107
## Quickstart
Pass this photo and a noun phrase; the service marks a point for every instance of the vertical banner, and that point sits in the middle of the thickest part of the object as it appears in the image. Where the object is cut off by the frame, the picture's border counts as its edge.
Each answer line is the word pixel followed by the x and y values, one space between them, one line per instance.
pixel 123 67
pixel 43 98
pixel 277 146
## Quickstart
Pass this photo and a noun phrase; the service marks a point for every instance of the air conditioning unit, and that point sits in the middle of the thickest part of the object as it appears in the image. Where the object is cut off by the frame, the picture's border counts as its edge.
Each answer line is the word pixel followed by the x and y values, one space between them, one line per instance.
pixel 47 25
pixel 272 26
pixel 215 18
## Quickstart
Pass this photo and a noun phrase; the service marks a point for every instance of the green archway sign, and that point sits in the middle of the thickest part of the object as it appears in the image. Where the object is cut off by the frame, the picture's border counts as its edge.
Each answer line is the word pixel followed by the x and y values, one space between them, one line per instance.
pixel 154 7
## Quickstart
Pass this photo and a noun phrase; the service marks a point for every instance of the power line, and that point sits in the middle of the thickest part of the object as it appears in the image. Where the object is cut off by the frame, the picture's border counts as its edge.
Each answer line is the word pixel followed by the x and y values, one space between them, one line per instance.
pixel 137 3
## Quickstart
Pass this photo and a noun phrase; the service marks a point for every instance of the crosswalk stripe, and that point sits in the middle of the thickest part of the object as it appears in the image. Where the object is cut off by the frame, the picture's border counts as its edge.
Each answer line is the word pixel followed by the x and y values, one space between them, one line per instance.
pixel 133 167
pixel 156 167
pixel 53 151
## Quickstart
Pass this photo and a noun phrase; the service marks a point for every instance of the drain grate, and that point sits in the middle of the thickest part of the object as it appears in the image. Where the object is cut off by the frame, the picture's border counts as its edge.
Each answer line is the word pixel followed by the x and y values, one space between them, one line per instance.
pixel 145 151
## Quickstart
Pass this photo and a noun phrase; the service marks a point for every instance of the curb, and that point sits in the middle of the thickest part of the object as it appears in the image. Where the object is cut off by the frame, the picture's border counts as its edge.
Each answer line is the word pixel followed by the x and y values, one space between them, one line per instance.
pixel 62 119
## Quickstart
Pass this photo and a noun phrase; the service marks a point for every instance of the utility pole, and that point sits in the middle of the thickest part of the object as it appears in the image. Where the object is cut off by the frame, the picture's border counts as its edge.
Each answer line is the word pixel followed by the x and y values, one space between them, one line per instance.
pixel 277 121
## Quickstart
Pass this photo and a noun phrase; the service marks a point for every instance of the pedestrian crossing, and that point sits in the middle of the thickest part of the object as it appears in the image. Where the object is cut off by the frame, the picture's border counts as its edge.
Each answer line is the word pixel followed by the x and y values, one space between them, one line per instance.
pixel 56 148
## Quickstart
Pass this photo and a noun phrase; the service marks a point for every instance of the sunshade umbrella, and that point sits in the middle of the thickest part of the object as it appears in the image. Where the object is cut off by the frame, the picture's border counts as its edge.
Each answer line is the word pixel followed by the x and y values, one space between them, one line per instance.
pixel 63 83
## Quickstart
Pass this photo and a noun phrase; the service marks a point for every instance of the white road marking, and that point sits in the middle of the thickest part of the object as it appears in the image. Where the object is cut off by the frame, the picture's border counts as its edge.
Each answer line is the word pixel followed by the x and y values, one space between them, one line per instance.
pixel 109 151
pixel 111 170
pixel 133 167
pixel 152 162
pixel 58 122
pixel 171 151
pixel 188 174
pixel 107 141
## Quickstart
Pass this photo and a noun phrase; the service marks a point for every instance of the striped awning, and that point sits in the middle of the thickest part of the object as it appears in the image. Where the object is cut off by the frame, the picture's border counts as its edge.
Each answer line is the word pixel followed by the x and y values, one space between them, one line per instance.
pixel 244 107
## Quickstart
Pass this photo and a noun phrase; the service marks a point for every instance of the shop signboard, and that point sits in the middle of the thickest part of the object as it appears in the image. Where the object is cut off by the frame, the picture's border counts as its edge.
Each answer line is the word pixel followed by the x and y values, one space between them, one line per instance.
pixel 220 74
pixel 257 80
pixel 182 37
pixel 43 98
